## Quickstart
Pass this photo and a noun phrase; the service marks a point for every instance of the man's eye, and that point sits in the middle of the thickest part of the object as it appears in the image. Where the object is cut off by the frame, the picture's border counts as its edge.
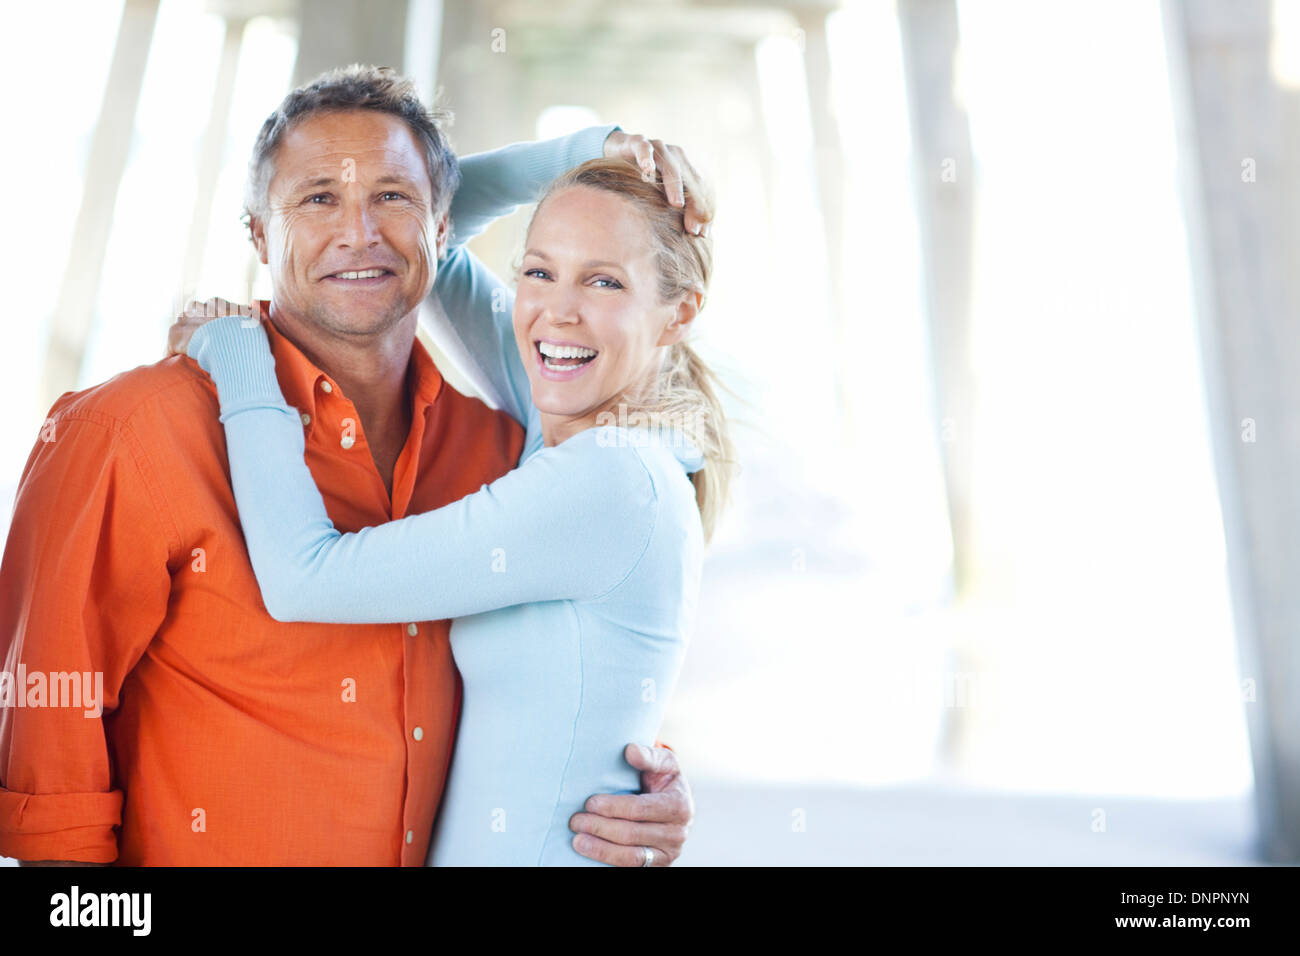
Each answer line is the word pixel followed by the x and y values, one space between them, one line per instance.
pixel 393 194
pixel 324 197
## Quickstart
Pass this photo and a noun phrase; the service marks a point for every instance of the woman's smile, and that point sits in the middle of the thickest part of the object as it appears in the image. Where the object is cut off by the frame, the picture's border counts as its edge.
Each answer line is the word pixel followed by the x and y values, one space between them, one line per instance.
pixel 562 361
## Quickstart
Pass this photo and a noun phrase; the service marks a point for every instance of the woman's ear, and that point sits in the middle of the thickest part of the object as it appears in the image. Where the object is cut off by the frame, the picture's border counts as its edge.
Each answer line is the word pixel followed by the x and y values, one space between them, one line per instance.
pixel 687 309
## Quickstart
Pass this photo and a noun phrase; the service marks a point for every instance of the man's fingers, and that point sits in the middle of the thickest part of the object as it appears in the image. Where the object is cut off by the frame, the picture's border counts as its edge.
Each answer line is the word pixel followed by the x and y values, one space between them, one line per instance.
pixel 651 759
pixel 670 806
pixel 670 837
pixel 602 850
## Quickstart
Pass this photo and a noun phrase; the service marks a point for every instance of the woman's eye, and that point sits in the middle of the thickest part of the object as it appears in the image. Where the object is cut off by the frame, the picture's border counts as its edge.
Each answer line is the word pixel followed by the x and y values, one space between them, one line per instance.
pixel 394 195
pixel 321 196
pixel 536 273
pixel 613 283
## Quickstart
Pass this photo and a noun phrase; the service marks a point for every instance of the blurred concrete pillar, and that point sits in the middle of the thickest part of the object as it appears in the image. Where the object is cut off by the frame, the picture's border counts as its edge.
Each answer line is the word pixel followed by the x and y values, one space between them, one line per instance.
pixel 479 70
pixel 475 69
pixel 211 154
pixel 341 32
pixel 1239 136
pixel 945 183
pixel 829 157
pixel 70 324
pixel 758 143
pixel 423 45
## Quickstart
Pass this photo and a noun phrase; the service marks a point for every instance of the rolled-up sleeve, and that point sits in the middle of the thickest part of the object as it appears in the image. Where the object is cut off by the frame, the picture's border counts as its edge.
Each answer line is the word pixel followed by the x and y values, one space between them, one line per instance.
pixel 84 586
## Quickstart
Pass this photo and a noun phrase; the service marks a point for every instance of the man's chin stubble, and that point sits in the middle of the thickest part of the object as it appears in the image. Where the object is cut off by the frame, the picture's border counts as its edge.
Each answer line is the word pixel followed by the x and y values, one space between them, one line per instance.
pixel 356 323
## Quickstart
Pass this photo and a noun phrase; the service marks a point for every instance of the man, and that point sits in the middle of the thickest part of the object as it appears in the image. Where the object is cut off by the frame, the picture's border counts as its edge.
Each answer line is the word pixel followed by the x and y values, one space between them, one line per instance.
pixel 226 737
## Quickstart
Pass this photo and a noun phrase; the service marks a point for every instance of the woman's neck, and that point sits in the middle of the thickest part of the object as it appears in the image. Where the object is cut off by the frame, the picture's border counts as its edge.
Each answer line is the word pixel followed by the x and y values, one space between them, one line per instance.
pixel 559 428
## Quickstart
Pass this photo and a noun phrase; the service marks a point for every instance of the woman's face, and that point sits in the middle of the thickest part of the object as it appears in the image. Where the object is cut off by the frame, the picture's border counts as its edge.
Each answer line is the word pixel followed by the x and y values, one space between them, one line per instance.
pixel 588 319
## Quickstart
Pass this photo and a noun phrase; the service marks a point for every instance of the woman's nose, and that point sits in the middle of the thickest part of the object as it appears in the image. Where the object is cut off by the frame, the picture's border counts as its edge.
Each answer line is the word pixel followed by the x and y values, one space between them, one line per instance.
pixel 562 307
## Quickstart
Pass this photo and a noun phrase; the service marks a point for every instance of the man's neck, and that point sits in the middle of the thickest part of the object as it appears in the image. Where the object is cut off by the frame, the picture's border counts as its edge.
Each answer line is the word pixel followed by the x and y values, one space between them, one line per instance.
pixel 372 373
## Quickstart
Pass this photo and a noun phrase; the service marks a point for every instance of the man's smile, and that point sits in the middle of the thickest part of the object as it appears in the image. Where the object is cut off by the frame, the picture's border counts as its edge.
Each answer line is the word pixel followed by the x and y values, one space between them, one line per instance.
pixel 360 278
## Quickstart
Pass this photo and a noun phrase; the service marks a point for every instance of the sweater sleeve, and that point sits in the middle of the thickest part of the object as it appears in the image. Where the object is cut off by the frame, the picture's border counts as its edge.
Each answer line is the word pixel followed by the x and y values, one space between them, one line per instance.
pixel 469 314
pixel 494 183
pixel 571 524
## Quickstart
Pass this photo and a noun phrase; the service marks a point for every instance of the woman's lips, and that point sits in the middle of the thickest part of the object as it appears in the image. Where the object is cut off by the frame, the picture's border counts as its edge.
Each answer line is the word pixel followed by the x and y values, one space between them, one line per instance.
pixel 559 375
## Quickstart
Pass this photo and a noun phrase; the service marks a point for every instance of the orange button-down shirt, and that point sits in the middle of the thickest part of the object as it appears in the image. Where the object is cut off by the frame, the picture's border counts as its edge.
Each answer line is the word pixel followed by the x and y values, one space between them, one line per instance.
pixel 226 737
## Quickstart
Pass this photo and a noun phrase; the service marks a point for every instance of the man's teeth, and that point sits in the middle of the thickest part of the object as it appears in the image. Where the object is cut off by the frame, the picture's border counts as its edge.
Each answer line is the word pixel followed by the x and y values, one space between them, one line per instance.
pixel 367 274
pixel 565 351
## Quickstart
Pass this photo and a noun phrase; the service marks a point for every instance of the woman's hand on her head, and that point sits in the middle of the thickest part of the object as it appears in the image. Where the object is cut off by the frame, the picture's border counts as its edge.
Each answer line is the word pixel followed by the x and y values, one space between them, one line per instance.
pixel 682 184
pixel 197 313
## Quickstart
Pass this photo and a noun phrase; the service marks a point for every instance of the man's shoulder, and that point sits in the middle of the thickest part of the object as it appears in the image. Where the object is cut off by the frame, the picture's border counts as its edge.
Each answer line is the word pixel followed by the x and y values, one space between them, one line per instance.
pixel 476 441
pixel 142 396
pixel 460 411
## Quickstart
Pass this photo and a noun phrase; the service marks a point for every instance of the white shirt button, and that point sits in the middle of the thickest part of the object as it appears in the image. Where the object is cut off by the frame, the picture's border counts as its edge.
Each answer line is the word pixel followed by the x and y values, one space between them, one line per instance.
pixel 306 419
pixel 418 733
pixel 347 441
pixel 412 630
pixel 410 836
pixel 326 387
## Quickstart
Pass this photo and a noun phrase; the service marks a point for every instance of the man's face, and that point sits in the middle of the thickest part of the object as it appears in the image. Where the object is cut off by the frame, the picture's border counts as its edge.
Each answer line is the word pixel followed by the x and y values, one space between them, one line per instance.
pixel 349 234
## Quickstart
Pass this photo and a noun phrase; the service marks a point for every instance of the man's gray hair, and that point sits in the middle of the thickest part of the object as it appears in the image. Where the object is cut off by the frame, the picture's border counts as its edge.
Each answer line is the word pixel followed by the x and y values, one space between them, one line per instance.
pixel 355 87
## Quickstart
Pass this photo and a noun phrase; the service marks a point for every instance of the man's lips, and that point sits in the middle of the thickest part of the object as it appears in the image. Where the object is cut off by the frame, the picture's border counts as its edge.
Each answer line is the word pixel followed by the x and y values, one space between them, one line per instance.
pixel 360 278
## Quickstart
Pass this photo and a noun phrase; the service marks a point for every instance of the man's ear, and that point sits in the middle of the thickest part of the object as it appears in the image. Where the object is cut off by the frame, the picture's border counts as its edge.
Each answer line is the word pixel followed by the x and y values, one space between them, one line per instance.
pixel 441 234
pixel 257 234
pixel 687 309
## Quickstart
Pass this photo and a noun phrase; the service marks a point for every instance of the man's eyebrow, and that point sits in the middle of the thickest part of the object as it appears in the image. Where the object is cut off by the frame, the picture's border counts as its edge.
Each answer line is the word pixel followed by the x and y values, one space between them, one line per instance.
pixel 313 183
pixel 330 181
pixel 589 264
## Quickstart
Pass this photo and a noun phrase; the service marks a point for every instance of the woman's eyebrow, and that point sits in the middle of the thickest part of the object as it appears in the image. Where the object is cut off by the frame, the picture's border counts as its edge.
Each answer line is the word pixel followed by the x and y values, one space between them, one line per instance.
pixel 589 264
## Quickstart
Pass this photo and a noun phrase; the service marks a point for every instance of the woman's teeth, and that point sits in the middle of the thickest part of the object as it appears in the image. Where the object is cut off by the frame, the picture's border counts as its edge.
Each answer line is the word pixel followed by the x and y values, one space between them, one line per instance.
pixel 561 357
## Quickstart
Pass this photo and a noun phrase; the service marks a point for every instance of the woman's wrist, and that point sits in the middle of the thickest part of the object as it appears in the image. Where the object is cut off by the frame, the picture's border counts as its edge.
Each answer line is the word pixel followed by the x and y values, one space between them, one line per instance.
pixel 236 354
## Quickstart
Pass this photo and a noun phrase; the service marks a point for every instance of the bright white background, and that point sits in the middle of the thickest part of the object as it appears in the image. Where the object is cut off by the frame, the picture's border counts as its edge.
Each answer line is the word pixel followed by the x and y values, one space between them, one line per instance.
pixel 1096 651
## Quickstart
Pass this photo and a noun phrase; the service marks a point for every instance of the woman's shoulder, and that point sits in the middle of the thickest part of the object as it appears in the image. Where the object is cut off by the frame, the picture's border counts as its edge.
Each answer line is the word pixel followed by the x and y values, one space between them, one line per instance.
pixel 663 457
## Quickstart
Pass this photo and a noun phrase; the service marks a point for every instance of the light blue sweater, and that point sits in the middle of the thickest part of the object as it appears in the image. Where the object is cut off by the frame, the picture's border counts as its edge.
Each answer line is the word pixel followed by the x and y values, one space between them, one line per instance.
pixel 573 579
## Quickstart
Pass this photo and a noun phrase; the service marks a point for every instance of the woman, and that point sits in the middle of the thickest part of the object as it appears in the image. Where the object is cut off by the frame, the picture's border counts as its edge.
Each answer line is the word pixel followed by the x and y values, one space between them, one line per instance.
pixel 573 579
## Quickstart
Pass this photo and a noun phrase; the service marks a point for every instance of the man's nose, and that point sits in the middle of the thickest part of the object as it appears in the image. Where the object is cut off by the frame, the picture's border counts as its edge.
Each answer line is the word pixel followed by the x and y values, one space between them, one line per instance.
pixel 358 229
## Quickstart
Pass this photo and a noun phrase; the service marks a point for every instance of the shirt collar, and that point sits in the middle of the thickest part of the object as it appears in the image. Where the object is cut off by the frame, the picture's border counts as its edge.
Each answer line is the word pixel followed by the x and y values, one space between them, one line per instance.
pixel 300 378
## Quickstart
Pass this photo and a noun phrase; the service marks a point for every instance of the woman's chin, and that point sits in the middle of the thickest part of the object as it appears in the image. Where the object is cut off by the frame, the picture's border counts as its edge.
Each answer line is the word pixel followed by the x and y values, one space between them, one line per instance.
pixel 551 401
pixel 549 405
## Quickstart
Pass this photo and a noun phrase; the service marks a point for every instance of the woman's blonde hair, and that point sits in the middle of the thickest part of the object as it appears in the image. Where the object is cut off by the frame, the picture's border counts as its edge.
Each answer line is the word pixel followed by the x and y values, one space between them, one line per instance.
pixel 685 393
